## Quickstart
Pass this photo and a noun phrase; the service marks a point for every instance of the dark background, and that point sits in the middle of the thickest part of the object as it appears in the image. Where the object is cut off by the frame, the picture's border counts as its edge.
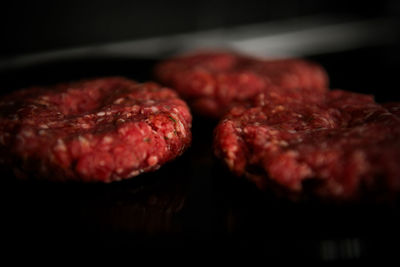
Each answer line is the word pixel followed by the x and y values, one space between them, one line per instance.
pixel 34 26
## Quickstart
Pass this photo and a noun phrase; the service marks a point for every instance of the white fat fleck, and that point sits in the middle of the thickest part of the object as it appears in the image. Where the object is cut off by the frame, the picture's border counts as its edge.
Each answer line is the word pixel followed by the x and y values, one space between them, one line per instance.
pixel 133 173
pixel 292 131
pixel 181 127
pixel 108 113
pixel 85 126
pixel 120 170
pixel 152 160
pixel 33 106
pixel 119 101
pixel 43 126
pixel 83 141
pixel 169 135
pixel 231 152
pixel 135 108
pixel 107 140
pixel 140 129
pixel 60 145
pixel 101 113
pixel 234 148
pixel 122 130
pixel 283 143
pixel 27 133
pixel 154 109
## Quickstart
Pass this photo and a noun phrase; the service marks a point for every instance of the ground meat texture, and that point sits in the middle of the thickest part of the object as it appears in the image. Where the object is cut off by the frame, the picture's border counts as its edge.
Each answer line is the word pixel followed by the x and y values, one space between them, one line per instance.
pixel 341 148
pixel 393 107
pixel 213 82
pixel 103 129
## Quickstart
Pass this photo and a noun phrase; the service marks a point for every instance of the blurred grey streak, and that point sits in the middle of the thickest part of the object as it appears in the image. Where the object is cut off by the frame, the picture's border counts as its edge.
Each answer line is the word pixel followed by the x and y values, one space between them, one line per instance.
pixel 296 37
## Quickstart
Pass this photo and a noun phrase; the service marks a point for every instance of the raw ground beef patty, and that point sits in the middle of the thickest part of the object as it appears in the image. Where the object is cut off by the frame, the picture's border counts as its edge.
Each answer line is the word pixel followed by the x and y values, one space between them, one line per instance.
pixel 340 147
pixel 92 130
pixel 212 82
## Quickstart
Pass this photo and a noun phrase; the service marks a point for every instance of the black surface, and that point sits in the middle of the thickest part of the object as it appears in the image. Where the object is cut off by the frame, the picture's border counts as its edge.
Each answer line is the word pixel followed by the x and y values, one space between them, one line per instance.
pixel 194 203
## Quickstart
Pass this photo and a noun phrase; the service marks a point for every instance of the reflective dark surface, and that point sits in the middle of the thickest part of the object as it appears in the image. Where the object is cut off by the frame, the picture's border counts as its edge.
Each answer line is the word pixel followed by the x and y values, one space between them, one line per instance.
pixel 194 202
pixel 31 27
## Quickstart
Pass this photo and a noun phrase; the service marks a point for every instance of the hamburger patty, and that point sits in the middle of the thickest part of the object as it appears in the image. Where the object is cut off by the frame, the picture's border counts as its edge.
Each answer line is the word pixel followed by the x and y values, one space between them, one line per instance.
pixel 337 147
pixel 102 129
pixel 213 82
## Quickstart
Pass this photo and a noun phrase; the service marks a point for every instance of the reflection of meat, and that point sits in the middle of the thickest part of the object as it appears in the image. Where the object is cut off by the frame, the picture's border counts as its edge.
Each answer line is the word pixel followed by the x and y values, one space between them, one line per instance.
pixel 334 147
pixel 214 82
pixel 94 130
pixel 146 208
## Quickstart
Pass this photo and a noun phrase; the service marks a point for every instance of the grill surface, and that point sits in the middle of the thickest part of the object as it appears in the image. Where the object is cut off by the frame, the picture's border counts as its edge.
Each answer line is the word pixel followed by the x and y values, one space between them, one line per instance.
pixel 194 202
